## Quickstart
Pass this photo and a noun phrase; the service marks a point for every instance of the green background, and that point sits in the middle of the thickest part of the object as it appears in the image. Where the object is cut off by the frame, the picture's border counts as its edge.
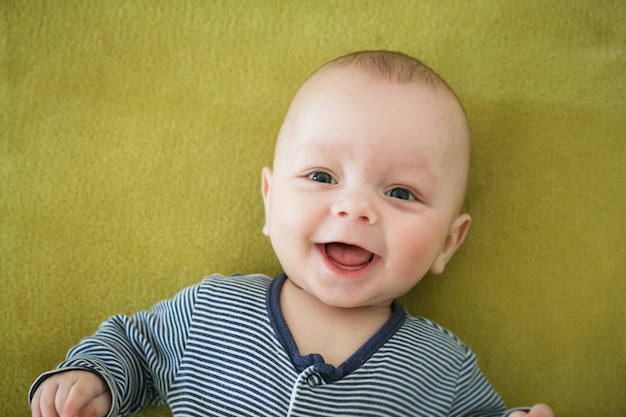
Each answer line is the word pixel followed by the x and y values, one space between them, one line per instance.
pixel 133 133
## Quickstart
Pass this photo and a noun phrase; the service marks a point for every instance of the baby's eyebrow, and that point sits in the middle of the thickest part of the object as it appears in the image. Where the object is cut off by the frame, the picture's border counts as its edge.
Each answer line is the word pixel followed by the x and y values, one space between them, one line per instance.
pixel 321 141
pixel 424 166
pixel 319 146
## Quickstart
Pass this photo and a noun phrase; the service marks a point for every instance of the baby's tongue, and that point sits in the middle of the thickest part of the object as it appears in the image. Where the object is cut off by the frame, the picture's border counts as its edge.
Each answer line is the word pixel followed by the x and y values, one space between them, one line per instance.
pixel 347 255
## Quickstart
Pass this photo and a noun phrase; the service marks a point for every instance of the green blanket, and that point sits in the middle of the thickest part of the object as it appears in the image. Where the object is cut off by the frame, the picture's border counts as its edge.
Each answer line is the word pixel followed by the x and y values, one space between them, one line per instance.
pixel 133 133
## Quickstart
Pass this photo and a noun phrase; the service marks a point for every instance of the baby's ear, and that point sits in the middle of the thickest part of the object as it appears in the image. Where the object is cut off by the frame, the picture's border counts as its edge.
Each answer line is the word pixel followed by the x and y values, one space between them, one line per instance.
pixel 266 181
pixel 456 235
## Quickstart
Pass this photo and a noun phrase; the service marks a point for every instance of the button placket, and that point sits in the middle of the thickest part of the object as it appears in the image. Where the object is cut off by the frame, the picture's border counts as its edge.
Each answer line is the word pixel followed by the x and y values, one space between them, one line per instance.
pixel 314 380
pixel 304 387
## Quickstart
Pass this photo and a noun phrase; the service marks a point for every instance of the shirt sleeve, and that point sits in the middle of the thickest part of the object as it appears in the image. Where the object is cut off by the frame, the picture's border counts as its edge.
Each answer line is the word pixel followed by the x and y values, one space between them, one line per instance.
pixel 474 395
pixel 137 356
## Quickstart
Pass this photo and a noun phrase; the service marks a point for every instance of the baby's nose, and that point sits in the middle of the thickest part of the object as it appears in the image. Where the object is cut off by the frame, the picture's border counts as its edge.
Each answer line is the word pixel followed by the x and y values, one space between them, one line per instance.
pixel 356 206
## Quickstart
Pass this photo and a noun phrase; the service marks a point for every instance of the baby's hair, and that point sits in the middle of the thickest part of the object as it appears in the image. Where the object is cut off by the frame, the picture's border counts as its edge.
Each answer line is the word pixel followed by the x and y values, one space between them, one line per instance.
pixel 392 66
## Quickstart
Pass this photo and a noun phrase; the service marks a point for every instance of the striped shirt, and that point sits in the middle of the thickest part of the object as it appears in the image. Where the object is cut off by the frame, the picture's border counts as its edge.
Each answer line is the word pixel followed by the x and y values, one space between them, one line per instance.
pixel 222 348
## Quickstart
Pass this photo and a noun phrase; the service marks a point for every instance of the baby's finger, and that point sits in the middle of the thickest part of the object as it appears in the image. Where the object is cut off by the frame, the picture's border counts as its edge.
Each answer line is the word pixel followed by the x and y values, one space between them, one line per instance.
pixel 44 401
pixel 35 410
pixel 87 398
pixel 62 391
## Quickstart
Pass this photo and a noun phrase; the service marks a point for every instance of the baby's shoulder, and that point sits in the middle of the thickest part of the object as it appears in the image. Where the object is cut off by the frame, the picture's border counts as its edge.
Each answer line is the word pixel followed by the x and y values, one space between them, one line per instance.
pixel 431 340
pixel 241 288
pixel 423 354
pixel 245 282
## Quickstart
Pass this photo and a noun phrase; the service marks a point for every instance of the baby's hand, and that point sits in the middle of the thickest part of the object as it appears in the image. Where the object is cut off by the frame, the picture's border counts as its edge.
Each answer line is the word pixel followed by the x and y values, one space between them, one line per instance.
pixel 72 394
pixel 539 410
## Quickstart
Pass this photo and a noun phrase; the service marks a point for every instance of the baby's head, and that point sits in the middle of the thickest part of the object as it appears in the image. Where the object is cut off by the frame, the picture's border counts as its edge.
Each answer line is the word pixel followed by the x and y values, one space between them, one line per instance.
pixel 368 180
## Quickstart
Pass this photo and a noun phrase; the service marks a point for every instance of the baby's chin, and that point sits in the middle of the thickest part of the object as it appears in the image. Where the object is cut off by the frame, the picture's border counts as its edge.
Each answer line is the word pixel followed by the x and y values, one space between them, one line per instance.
pixel 349 300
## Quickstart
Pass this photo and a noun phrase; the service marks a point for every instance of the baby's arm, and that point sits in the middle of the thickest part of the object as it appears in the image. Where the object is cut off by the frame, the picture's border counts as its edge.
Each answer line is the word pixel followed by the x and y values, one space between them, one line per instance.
pixel 71 394
pixel 133 361
pixel 477 397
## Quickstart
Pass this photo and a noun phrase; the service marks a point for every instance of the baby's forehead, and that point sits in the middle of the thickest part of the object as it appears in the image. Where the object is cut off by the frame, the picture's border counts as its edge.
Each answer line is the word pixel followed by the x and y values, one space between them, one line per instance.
pixel 346 91
pixel 330 85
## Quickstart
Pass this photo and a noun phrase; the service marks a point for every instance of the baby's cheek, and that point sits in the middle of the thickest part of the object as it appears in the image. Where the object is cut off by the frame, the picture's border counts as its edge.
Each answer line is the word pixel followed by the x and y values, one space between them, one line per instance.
pixel 416 247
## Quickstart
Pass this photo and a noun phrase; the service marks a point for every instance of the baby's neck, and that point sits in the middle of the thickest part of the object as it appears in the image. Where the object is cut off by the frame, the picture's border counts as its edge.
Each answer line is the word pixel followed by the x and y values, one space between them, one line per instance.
pixel 333 332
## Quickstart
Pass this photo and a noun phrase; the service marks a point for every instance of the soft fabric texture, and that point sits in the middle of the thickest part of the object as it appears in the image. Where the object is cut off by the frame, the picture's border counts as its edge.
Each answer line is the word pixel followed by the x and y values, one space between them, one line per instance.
pixel 133 133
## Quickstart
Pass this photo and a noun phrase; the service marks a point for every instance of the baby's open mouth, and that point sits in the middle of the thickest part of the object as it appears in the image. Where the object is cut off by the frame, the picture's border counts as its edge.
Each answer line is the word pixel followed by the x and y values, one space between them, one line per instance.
pixel 348 256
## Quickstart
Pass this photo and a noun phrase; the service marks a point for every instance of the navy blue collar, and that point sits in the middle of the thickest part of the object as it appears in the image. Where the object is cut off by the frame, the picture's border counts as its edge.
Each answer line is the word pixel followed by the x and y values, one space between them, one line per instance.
pixel 328 372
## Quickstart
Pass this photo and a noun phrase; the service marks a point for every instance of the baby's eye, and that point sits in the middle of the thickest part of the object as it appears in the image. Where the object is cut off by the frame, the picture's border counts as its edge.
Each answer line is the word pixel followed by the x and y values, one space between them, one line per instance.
pixel 400 193
pixel 321 176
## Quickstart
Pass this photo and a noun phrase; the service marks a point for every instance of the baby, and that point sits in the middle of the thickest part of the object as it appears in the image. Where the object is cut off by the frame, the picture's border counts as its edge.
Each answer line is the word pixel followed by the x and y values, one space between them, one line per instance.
pixel 364 198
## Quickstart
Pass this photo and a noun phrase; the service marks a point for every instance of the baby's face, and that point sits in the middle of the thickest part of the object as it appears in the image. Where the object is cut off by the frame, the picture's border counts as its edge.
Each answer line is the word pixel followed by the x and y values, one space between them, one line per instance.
pixel 365 187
